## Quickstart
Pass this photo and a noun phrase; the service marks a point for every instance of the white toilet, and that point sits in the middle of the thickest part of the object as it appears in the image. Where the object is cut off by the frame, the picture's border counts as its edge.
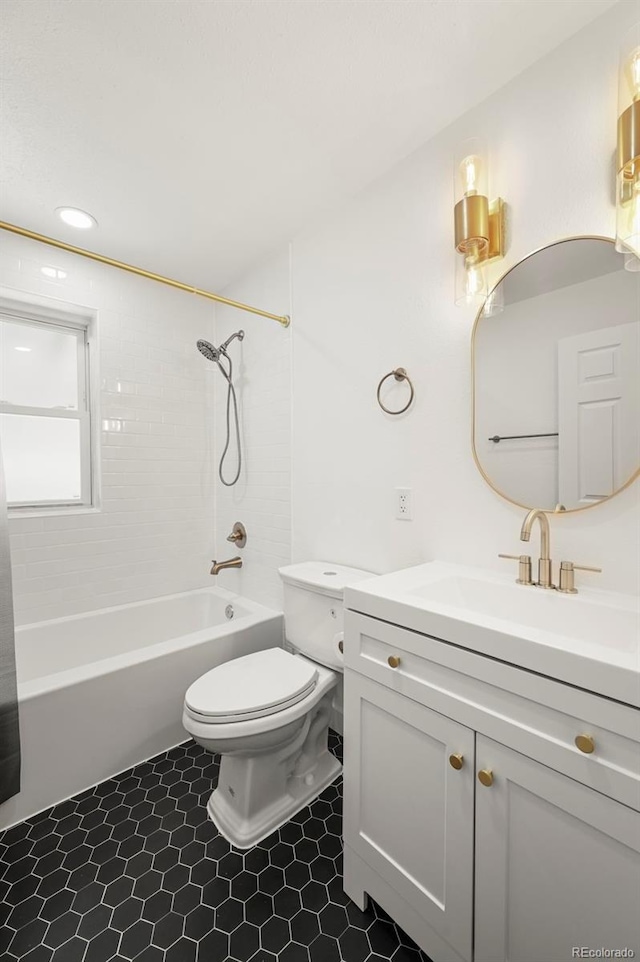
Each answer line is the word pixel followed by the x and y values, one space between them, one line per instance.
pixel 268 713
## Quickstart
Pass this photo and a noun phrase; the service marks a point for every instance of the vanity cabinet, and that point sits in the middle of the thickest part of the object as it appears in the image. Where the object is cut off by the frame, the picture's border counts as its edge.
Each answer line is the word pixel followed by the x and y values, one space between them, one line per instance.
pixel 539 855
pixel 410 812
pixel 557 864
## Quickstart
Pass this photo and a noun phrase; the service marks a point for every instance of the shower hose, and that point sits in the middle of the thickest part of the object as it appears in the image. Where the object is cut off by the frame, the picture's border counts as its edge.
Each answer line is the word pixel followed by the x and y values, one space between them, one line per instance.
pixel 231 400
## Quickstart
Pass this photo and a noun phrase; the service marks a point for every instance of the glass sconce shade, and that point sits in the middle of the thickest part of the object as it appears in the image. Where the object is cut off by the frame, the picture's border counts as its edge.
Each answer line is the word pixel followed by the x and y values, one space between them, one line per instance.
pixel 631 262
pixel 628 176
pixel 471 277
pixel 471 198
pixel 629 69
pixel 628 211
pixel 494 303
pixel 471 169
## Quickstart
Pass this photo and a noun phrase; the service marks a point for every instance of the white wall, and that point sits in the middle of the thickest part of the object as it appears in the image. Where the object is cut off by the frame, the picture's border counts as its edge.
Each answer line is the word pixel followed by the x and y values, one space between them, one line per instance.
pixel 373 288
pixel 154 532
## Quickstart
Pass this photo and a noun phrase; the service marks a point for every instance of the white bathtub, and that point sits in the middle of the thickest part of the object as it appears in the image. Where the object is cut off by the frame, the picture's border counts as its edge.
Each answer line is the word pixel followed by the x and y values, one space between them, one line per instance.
pixel 102 691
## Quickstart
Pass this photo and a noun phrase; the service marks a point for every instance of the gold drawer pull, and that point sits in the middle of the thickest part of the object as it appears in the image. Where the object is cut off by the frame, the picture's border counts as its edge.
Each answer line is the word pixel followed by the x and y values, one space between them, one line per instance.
pixel 585 743
pixel 456 761
pixel 485 777
pixel 394 661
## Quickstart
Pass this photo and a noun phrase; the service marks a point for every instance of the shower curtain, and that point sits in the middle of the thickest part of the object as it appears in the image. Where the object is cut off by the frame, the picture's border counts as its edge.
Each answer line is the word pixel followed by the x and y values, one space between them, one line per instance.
pixel 9 730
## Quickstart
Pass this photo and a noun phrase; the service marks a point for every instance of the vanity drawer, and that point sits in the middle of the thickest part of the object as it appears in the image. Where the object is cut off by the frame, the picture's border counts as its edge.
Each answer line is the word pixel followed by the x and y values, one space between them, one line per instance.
pixel 537 716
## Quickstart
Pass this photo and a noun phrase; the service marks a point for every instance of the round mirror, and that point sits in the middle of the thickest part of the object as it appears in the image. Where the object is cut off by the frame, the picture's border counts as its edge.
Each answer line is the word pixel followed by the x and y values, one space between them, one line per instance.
pixel 556 378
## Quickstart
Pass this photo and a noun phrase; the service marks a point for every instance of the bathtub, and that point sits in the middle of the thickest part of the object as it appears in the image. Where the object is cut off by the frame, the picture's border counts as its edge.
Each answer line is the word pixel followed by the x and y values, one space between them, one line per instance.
pixel 100 692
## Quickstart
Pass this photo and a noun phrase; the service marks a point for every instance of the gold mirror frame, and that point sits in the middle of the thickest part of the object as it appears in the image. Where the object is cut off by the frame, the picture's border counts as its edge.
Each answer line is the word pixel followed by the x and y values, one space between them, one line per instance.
pixel 526 507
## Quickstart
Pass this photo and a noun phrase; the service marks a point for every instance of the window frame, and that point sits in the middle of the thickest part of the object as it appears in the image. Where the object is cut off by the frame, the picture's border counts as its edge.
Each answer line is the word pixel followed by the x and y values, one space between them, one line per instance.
pixel 80 324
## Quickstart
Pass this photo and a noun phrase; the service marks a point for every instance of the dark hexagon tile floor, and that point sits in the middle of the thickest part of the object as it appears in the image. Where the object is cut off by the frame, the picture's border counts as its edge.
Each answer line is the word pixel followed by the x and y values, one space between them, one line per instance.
pixel 134 870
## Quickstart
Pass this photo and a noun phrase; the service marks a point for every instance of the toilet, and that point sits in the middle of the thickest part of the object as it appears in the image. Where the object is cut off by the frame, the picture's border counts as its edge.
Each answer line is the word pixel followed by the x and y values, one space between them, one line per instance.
pixel 267 714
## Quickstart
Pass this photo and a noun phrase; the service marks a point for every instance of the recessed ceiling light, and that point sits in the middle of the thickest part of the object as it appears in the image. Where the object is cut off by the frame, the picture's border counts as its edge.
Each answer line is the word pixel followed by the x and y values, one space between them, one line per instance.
pixel 26 349
pixel 75 217
pixel 54 272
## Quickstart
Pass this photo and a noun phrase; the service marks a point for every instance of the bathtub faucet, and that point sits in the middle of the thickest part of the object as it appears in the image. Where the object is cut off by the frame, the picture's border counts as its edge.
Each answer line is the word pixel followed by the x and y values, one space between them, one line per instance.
pixel 219 566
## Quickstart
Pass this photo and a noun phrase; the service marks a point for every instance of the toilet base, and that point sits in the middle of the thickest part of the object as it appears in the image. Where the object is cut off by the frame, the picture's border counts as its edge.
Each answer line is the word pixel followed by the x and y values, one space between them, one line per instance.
pixel 258 792
pixel 244 833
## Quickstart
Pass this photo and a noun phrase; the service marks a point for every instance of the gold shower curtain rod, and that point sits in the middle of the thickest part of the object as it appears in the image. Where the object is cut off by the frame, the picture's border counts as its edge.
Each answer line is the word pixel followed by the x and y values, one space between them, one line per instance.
pixel 283 319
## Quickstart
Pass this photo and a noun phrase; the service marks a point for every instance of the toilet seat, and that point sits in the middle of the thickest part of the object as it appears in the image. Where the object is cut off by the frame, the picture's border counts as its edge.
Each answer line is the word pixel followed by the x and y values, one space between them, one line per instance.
pixel 253 686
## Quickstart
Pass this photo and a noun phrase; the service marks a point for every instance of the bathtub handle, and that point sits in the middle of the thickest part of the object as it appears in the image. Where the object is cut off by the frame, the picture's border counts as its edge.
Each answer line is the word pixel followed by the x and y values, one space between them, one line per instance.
pixel 239 535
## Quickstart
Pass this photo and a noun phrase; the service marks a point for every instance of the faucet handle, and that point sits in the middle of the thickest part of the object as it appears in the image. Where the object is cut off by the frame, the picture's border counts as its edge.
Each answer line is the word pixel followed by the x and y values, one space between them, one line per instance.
pixel 238 535
pixel 524 567
pixel 567 580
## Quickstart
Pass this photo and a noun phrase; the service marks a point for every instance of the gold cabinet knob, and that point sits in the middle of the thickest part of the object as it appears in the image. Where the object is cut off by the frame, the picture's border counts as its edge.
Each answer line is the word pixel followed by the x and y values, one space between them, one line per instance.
pixel 393 661
pixel 485 777
pixel 585 743
pixel 456 761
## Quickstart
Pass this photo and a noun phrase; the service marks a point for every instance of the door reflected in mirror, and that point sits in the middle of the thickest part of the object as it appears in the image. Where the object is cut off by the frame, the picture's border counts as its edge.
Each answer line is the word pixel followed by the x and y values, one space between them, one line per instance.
pixel 556 378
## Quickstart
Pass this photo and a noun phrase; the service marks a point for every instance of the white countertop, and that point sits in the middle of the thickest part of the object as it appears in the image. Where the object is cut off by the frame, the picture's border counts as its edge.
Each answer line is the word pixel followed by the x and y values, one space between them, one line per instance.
pixel 590 640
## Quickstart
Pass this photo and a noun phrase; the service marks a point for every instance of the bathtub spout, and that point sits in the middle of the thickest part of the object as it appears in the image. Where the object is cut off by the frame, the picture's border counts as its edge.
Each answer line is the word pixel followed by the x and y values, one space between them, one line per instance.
pixel 219 566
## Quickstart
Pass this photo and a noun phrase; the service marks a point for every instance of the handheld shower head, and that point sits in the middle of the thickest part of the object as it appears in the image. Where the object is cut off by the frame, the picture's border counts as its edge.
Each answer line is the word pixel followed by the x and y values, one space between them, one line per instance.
pixel 213 353
pixel 220 357
pixel 208 350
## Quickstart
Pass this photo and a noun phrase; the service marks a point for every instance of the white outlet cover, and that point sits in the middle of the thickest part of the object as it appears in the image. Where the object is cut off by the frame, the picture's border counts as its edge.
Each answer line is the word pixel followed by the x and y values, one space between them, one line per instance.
pixel 403 504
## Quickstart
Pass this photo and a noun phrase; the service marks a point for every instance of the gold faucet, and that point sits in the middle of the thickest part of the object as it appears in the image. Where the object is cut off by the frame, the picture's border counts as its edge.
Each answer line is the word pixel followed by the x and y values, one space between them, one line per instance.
pixel 219 566
pixel 544 562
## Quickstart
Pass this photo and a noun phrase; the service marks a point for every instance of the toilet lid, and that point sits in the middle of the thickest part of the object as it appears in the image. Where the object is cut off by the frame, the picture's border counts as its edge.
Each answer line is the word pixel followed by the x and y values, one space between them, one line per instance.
pixel 252 686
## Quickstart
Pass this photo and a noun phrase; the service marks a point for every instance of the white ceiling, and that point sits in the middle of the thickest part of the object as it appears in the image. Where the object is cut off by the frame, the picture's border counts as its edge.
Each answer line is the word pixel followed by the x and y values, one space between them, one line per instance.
pixel 203 133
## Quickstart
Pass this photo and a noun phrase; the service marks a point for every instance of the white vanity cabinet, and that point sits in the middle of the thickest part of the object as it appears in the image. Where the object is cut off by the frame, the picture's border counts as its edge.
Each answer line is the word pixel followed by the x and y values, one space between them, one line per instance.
pixel 410 813
pixel 543 857
pixel 557 863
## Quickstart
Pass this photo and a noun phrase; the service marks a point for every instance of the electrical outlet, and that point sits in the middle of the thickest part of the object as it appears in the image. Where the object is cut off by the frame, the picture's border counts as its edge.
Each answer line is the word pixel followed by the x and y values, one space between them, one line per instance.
pixel 403 504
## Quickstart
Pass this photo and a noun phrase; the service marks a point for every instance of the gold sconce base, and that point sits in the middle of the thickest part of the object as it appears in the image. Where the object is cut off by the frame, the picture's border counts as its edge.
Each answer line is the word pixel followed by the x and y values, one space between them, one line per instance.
pixel 479 227
pixel 496 229
pixel 629 135
pixel 472 224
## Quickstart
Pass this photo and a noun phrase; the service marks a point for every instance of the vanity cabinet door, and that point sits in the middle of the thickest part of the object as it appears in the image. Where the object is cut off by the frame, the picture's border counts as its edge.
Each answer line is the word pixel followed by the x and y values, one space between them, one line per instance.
pixel 408 811
pixel 557 863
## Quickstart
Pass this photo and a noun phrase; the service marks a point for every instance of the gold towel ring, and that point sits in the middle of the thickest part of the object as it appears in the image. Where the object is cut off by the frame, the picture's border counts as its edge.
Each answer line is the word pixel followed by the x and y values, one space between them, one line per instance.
pixel 400 375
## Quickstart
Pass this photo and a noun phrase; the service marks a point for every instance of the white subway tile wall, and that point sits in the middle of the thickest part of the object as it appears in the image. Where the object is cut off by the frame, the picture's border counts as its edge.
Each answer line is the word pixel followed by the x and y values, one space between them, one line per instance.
pixel 262 375
pixel 153 533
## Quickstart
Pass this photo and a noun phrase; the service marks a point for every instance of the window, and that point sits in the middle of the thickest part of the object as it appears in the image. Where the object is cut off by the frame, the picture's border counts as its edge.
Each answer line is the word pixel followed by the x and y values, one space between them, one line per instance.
pixel 45 421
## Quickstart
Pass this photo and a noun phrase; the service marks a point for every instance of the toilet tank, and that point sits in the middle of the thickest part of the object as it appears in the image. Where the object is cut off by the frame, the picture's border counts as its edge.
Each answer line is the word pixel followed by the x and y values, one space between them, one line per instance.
pixel 313 608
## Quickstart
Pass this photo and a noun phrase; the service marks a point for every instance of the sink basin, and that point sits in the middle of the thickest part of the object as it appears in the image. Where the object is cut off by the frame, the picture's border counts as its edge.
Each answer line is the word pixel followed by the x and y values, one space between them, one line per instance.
pixel 581 618
pixel 590 640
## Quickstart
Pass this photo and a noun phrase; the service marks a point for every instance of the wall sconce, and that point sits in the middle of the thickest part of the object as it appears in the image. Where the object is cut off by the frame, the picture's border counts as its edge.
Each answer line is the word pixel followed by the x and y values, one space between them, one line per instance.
pixel 479 224
pixel 628 166
pixel 494 303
